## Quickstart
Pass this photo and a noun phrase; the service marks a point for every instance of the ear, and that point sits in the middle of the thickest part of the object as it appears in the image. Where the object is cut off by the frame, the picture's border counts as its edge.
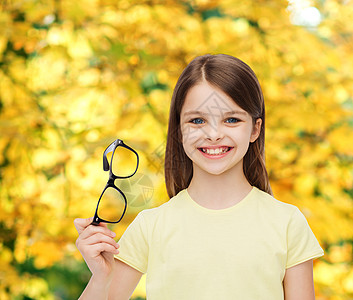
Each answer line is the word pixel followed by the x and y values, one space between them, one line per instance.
pixel 256 130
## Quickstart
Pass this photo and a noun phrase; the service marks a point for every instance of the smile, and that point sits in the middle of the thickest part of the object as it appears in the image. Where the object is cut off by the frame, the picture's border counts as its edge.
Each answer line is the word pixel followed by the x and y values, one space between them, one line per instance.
pixel 215 151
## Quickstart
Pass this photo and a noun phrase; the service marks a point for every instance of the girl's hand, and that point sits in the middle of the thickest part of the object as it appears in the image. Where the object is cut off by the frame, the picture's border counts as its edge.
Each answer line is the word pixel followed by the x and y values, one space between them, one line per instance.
pixel 97 246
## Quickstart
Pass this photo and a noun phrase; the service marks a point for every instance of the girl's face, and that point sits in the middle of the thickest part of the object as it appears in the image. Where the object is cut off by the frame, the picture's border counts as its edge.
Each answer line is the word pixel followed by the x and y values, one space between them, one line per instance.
pixel 216 131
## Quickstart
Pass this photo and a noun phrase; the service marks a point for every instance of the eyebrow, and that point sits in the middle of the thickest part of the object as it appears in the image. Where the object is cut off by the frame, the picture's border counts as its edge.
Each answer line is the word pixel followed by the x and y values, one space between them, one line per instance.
pixel 233 112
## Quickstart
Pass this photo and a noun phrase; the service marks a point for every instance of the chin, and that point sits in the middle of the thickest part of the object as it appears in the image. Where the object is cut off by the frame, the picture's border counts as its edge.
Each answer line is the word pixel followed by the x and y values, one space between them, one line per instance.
pixel 214 172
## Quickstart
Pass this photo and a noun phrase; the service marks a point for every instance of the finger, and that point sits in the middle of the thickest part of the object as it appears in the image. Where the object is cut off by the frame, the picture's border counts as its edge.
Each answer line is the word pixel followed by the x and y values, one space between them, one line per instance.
pixel 81 224
pixel 100 238
pixel 86 246
pixel 96 249
pixel 92 229
pixel 105 225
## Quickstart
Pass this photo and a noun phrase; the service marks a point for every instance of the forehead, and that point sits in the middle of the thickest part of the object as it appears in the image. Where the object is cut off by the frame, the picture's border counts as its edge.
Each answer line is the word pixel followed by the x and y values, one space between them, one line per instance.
pixel 205 98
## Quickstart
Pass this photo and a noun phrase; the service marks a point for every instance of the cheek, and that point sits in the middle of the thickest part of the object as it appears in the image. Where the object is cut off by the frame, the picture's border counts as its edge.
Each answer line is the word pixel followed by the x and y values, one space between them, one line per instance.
pixel 241 137
pixel 189 134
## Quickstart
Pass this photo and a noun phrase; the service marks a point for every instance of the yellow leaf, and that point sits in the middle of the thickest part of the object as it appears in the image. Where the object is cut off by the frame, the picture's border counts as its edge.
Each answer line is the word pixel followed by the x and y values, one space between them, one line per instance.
pixel 341 139
pixel 46 253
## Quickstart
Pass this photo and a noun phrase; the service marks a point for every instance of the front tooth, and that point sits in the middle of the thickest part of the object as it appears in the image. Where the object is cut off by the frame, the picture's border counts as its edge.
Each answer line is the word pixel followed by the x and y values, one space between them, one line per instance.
pixel 215 151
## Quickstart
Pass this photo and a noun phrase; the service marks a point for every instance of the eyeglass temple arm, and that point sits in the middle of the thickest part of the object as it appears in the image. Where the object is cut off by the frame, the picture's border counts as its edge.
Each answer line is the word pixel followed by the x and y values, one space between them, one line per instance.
pixel 95 223
pixel 110 148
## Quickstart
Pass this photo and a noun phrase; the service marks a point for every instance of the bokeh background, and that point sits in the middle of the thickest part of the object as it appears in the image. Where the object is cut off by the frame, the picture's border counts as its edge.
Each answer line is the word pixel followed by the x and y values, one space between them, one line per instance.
pixel 76 75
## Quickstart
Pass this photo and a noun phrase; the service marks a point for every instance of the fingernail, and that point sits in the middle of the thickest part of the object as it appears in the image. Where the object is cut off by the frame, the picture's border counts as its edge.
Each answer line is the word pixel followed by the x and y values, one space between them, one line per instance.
pixel 113 234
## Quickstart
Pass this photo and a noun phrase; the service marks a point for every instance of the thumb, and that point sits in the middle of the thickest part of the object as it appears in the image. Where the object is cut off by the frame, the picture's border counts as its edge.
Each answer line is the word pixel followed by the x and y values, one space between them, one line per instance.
pixel 81 224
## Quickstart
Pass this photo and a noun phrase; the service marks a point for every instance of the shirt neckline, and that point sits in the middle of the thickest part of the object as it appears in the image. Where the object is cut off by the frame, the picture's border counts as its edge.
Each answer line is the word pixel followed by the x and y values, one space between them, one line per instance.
pixel 238 205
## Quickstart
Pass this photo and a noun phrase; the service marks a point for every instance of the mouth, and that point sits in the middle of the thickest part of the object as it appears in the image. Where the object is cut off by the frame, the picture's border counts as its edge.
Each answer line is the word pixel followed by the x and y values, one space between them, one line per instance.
pixel 215 151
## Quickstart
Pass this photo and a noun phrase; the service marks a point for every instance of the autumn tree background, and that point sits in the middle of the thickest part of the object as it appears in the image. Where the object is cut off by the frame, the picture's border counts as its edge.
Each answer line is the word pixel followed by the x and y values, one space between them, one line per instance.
pixel 76 75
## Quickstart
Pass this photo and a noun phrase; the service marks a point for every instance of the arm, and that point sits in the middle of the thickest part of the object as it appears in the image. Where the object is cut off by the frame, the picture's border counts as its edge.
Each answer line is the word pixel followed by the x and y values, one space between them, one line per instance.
pixel 120 286
pixel 298 282
pixel 124 282
pixel 110 277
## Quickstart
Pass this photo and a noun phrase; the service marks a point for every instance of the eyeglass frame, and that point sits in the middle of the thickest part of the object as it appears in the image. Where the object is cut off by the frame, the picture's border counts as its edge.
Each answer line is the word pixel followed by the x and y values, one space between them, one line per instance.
pixel 111 181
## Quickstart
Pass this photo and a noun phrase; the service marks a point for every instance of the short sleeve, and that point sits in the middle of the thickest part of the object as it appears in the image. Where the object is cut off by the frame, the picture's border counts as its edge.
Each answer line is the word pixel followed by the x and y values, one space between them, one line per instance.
pixel 134 245
pixel 302 244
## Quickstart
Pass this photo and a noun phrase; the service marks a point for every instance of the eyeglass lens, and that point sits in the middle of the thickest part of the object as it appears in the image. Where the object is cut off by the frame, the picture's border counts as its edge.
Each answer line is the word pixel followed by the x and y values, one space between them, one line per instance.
pixel 124 161
pixel 111 206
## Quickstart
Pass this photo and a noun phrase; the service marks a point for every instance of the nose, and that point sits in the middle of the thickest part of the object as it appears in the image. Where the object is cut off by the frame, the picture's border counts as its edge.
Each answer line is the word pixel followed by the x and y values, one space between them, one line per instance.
pixel 213 132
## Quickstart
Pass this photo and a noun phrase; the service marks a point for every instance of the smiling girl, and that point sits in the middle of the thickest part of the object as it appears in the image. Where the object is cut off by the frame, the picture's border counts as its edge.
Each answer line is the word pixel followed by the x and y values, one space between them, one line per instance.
pixel 221 235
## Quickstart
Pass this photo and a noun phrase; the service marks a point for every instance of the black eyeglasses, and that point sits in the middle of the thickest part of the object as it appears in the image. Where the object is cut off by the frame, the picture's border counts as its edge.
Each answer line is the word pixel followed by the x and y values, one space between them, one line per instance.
pixel 112 203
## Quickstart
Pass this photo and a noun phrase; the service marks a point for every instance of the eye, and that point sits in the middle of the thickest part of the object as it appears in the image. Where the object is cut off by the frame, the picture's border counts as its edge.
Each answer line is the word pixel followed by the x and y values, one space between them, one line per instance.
pixel 232 120
pixel 197 121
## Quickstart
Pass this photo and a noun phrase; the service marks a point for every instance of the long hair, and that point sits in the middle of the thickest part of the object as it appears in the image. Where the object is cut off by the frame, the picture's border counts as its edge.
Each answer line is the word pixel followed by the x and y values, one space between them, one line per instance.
pixel 239 82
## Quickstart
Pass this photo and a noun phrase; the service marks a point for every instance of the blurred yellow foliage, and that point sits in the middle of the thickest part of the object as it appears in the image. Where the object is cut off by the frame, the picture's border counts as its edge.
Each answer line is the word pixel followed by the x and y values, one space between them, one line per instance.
pixel 45 253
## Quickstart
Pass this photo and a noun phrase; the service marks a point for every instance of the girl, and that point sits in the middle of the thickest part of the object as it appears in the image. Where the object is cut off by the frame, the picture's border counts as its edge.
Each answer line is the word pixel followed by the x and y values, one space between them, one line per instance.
pixel 222 235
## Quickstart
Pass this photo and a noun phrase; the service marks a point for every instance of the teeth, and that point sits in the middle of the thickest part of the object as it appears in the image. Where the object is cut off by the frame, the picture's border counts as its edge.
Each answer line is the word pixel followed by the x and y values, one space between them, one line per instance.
pixel 215 151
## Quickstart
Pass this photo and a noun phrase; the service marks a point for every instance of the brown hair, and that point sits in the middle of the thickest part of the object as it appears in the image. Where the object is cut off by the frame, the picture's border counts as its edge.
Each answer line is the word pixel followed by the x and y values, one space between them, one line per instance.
pixel 238 81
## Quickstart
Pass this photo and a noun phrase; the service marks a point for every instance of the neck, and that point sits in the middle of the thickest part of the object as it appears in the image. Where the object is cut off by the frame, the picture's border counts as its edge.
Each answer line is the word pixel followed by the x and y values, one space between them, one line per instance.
pixel 219 191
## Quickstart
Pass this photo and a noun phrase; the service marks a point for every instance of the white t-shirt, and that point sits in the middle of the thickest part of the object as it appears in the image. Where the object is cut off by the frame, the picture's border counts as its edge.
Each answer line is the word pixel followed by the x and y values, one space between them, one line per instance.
pixel 191 252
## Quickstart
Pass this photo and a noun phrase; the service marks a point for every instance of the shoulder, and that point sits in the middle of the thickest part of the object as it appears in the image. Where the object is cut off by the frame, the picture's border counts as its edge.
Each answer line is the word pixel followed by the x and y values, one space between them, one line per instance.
pixel 171 206
pixel 271 206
